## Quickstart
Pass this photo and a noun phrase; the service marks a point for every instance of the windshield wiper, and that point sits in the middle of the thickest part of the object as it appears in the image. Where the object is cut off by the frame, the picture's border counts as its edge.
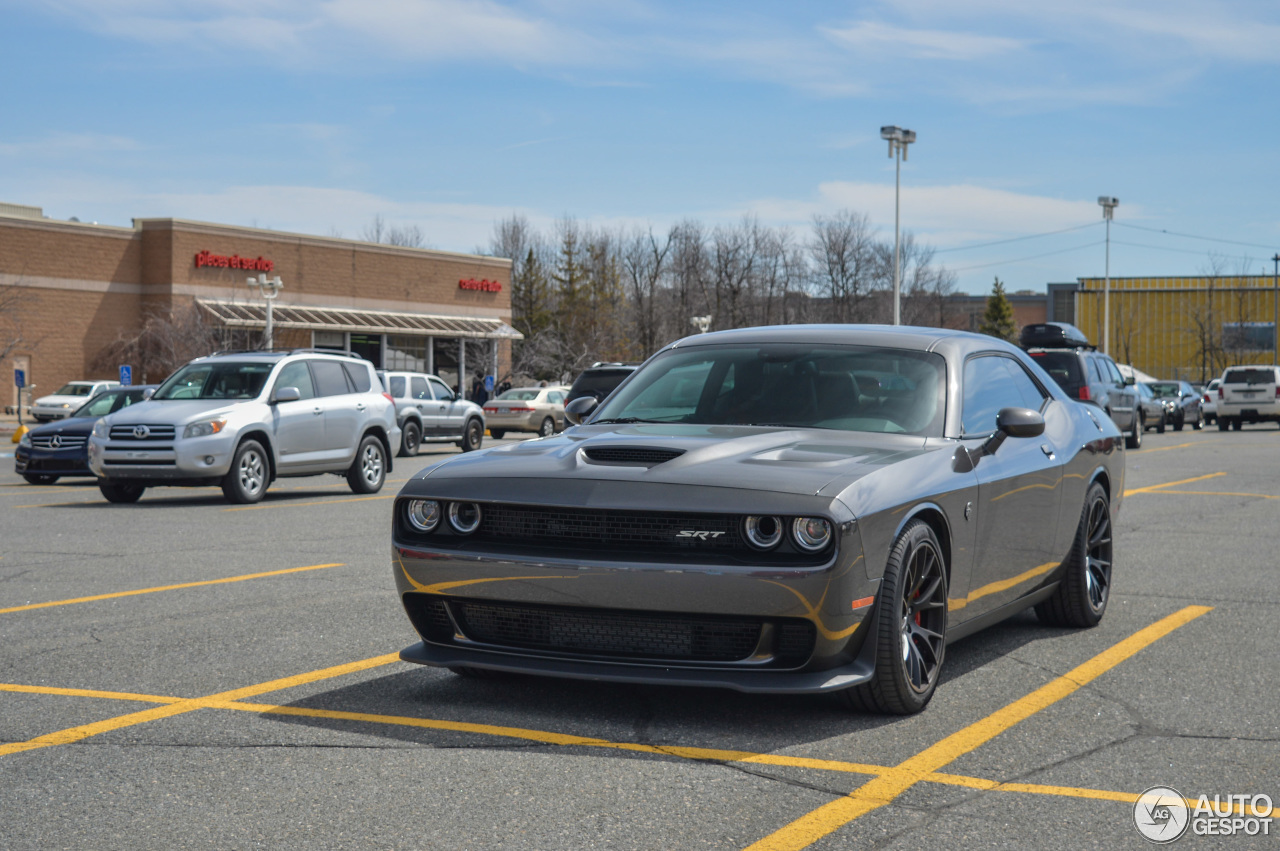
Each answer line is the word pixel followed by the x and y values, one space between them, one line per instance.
pixel 623 421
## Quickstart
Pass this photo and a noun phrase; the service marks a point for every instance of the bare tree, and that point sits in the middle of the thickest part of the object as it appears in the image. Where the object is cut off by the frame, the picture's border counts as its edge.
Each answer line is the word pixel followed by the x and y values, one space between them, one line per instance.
pixel 168 339
pixel 644 263
pixel 842 249
pixel 14 299
pixel 408 236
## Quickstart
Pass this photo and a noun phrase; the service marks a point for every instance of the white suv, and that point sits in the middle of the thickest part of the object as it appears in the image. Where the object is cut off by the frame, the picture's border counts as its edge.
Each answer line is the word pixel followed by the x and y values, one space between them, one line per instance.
pixel 244 419
pixel 1248 394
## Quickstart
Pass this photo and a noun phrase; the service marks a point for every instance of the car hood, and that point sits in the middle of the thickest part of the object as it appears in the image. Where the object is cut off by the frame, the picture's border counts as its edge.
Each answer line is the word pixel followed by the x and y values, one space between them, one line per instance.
pixel 62 400
pixel 74 425
pixel 176 412
pixel 795 461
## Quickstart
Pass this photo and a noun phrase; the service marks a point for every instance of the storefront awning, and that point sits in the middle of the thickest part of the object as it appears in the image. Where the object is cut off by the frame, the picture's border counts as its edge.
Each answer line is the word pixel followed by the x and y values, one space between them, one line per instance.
pixel 357 321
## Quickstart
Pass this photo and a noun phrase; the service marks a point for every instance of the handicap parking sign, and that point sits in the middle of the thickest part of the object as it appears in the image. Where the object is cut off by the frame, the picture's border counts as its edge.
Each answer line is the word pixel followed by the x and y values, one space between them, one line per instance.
pixel 126 374
pixel 488 383
pixel 20 377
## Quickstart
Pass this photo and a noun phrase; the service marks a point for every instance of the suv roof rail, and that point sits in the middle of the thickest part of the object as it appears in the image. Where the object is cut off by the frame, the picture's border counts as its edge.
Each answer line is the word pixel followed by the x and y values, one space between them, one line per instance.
pixel 281 352
pixel 337 352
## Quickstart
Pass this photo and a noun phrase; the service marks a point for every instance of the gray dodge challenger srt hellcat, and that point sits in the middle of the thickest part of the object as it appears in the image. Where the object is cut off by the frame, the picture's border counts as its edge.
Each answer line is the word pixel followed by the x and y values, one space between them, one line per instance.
pixel 797 508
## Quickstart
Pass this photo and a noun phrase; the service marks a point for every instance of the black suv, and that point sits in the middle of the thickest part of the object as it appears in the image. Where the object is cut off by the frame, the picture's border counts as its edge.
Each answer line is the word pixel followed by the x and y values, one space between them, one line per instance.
pixel 1086 374
pixel 599 380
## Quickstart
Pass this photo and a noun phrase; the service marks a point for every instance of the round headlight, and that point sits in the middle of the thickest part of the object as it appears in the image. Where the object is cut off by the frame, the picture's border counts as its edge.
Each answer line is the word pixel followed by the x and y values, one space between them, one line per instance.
pixel 423 514
pixel 811 533
pixel 464 517
pixel 763 532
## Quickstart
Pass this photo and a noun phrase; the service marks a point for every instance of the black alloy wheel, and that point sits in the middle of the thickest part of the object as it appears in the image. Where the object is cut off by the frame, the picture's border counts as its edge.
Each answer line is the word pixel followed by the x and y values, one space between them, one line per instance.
pixel 1081 597
pixel 410 439
pixel 250 474
pixel 497 433
pixel 369 469
pixel 548 427
pixel 39 478
pixel 122 493
pixel 1134 439
pixel 472 436
pixel 911 627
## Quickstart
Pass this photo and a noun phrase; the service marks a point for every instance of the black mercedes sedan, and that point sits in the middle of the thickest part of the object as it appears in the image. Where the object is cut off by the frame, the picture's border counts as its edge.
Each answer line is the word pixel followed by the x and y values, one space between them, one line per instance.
pixel 784 509
pixel 60 448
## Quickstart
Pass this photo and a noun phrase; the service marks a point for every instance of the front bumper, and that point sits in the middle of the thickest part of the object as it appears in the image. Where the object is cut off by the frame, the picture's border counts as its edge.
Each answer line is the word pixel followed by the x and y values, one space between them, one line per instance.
pixel 72 462
pixel 197 458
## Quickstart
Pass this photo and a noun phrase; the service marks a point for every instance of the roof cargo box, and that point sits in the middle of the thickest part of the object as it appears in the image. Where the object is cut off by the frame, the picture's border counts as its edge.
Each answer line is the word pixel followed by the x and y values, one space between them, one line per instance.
pixel 1053 335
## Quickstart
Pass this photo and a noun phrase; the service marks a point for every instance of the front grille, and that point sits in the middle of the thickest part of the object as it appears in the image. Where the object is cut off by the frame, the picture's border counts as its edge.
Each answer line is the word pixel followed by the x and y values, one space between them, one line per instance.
pixel 134 432
pixel 631 455
pixel 63 442
pixel 609 633
pixel 581 527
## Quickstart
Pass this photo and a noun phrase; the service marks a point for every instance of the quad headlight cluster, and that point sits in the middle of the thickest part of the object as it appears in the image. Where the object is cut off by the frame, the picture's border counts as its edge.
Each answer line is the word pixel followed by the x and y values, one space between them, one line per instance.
pixel 424 515
pixel 809 534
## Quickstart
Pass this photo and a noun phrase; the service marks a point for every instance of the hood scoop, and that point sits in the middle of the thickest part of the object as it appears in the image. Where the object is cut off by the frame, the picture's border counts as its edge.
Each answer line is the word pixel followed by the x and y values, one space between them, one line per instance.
pixel 631 456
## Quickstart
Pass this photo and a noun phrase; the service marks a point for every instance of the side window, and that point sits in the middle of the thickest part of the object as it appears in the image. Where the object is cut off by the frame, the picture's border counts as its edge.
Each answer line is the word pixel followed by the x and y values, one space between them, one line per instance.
pixel 1032 395
pixel 438 388
pixel 556 397
pixel 988 386
pixel 397 386
pixel 297 375
pixel 331 378
pixel 1113 371
pixel 358 374
pixel 418 388
pixel 1095 370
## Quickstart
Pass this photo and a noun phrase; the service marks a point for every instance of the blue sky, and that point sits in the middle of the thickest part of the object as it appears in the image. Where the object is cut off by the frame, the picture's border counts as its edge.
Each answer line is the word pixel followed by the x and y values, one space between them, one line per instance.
pixel 314 117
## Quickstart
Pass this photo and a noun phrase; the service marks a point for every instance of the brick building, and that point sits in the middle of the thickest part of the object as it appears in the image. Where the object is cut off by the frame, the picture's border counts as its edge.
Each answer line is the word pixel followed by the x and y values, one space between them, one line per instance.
pixel 81 287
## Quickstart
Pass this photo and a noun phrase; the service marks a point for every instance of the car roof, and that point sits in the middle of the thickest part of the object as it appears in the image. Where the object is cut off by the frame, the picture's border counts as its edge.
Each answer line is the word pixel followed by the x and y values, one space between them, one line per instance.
pixel 953 342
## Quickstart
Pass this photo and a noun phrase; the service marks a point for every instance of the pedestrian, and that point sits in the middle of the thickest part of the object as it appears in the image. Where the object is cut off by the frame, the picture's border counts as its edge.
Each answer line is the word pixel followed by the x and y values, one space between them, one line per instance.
pixel 479 394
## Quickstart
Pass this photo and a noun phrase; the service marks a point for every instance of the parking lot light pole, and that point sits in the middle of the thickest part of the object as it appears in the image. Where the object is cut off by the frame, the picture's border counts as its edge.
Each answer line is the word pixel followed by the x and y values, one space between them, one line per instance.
pixel 268 288
pixel 898 140
pixel 1109 205
pixel 1275 307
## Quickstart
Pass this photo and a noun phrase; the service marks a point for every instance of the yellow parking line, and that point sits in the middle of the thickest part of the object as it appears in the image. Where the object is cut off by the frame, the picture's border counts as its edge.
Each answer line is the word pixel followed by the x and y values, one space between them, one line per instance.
pixel 263 505
pixel 116 594
pixel 1151 488
pixel 885 788
pixel 83 692
pixel 1222 493
pixel 1167 448
pixel 84 731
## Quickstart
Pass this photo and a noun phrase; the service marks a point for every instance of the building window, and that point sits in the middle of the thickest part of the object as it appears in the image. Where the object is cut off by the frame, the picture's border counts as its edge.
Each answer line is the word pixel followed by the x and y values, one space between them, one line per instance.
pixel 1249 336
pixel 407 354
pixel 329 340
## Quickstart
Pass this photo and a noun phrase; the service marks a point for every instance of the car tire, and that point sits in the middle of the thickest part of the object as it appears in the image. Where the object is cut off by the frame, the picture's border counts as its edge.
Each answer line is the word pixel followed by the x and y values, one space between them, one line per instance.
pixel 410 439
pixel 121 493
pixel 497 433
pixel 1180 422
pixel 911 627
pixel 548 427
pixel 1080 599
pixel 1223 424
pixel 250 474
pixel 369 469
pixel 1134 439
pixel 39 478
pixel 472 436
pixel 1160 425
pixel 1199 423
pixel 1237 424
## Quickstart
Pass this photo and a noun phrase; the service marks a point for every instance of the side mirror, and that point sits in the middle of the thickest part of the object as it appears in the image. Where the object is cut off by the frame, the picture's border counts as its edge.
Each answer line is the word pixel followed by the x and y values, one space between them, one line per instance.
pixel 146 394
pixel 577 410
pixel 1129 381
pixel 1013 422
pixel 287 394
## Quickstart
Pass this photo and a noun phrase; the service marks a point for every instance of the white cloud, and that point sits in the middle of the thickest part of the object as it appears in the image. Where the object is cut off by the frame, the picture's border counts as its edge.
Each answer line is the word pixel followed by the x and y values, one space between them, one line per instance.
pixel 58 145
pixel 904 42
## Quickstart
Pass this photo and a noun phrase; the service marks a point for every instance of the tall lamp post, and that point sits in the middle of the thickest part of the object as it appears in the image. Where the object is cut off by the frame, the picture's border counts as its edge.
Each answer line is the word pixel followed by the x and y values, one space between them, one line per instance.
pixel 268 288
pixel 1109 205
pixel 702 323
pixel 1275 306
pixel 898 140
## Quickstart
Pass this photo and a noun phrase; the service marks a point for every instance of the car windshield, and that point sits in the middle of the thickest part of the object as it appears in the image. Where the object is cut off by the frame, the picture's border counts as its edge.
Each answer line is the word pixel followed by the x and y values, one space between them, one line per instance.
pixel 228 380
pixel 1164 390
pixel 520 395
pixel 74 390
pixel 847 388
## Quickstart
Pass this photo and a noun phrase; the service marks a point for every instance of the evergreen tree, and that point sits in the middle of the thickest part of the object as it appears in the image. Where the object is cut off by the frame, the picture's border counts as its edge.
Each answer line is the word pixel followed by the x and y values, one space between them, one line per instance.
pixel 998 320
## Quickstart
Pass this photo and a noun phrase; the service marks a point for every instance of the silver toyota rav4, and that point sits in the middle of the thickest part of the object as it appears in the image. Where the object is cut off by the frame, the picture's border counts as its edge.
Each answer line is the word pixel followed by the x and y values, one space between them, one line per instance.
pixel 243 419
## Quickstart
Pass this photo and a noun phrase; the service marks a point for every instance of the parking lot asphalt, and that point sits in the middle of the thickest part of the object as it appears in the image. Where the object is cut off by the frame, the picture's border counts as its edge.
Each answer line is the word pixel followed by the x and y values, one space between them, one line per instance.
pixel 183 673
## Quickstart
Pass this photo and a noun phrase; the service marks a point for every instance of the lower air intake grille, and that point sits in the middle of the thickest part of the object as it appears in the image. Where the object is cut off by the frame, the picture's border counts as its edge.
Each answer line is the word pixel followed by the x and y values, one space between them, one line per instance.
pixel 610 633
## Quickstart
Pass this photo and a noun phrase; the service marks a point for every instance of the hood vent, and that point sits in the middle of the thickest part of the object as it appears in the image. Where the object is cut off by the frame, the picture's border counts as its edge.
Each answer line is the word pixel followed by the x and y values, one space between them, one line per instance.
pixel 632 456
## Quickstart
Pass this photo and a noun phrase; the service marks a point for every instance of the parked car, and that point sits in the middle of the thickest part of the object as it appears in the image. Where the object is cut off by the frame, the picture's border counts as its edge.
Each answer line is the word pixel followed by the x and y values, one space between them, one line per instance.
pixel 824 512
pixel 69 397
pixel 1248 394
pixel 599 380
pixel 1086 374
pixel 244 419
pixel 429 412
pixel 1184 403
pixel 537 409
pixel 1155 413
pixel 49 452
pixel 1209 401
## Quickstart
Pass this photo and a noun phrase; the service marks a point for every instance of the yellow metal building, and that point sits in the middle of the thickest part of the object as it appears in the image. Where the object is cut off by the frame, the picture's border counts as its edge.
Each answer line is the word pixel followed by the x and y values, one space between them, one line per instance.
pixel 1189 328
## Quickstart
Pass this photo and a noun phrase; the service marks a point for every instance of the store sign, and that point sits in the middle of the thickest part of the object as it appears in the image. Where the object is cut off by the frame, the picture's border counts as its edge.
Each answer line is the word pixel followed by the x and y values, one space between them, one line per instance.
pixel 483 284
pixel 235 261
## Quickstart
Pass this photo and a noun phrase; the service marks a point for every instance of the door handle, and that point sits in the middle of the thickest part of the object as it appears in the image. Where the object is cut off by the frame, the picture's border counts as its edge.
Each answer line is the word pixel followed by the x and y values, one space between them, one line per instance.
pixel 359 406
pixel 1047 450
pixel 317 411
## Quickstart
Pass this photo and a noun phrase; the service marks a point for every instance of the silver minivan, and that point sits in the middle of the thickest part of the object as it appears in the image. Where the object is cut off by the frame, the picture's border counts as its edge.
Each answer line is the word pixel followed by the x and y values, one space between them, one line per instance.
pixel 240 420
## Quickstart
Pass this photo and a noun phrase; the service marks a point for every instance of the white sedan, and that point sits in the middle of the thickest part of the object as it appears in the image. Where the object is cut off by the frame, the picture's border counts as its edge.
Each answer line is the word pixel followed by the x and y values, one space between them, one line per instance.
pixel 69 397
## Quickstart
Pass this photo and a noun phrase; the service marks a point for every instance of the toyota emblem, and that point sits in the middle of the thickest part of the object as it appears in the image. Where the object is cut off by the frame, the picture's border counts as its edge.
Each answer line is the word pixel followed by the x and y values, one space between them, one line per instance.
pixel 141 432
